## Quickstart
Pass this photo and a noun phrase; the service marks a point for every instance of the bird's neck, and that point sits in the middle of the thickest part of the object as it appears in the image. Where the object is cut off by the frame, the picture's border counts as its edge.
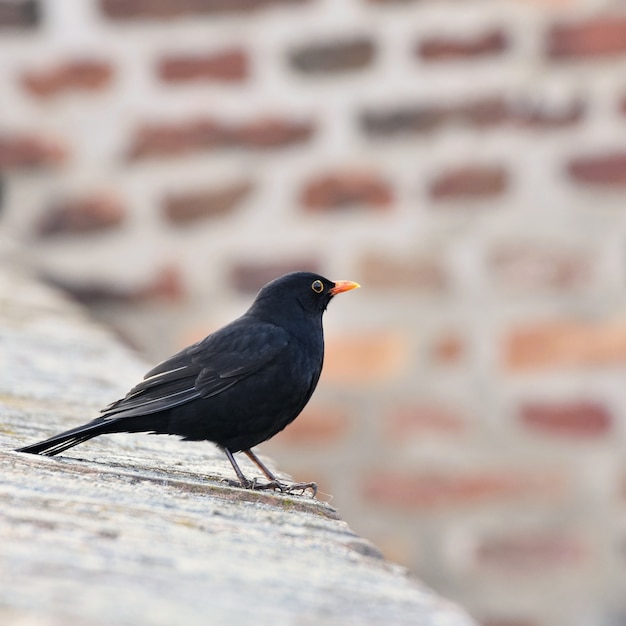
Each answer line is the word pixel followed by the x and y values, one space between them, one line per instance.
pixel 304 326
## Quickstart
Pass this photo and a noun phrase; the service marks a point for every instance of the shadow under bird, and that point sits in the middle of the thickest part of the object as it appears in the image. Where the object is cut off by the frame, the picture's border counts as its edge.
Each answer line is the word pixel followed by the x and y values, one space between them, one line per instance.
pixel 237 387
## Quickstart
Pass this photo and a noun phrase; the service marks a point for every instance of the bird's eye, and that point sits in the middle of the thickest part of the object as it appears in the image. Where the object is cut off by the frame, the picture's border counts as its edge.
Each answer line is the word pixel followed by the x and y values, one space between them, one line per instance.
pixel 317 286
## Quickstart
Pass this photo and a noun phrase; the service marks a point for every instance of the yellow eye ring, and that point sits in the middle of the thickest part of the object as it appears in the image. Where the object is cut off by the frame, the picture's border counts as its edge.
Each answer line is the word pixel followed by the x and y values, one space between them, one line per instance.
pixel 317 286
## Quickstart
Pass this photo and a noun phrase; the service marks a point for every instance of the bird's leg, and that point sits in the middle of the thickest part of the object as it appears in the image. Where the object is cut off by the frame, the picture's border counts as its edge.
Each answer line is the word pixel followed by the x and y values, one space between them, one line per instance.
pixel 274 482
pixel 245 483
pixel 257 461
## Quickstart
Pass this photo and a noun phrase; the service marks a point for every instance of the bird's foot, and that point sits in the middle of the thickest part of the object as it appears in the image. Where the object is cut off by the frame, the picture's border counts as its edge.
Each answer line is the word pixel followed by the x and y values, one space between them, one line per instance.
pixel 276 485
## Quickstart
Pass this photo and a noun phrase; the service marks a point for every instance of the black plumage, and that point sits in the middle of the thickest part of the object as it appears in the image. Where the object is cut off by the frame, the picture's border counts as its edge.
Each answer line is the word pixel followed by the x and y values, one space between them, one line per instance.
pixel 237 387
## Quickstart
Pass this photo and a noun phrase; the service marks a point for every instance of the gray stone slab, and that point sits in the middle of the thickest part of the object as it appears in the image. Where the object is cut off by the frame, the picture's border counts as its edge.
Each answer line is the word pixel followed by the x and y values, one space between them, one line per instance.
pixel 137 529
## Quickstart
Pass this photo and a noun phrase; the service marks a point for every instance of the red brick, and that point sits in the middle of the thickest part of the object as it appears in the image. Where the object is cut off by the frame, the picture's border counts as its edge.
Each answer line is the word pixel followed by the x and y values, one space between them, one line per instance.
pixel 369 358
pixel 334 56
pixel 526 551
pixel 449 348
pixel 24 14
pixel 166 9
pixel 31 151
pixel 423 420
pixel 384 271
pixel 250 277
pixel 603 170
pixel 440 490
pixel 440 48
pixel 487 112
pixel 183 208
pixel 173 139
pixel 316 425
pixel 79 74
pixel 167 284
pixel 347 189
pixel 539 265
pixel 525 112
pixel 603 36
pixel 469 181
pixel 152 140
pixel 574 419
pixel 225 66
pixel 565 343
pixel 401 120
pixel 272 133
pixel 539 116
pixel 94 213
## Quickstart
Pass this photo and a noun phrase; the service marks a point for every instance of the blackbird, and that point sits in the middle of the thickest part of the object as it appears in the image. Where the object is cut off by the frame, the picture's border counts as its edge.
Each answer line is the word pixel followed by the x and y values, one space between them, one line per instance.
pixel 237 387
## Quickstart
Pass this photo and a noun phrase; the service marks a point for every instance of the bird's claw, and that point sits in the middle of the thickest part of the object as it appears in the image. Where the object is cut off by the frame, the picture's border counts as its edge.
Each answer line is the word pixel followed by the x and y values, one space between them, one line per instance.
pixel 302 487
pixel 275 485
pixel 282 487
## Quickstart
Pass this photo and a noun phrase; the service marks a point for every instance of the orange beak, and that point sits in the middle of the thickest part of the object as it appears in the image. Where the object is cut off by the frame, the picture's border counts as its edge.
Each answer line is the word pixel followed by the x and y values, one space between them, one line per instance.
pixel 343 285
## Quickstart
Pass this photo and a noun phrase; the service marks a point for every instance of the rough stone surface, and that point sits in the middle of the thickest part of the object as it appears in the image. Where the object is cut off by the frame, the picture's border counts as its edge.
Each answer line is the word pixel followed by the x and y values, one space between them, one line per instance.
pixel 138 529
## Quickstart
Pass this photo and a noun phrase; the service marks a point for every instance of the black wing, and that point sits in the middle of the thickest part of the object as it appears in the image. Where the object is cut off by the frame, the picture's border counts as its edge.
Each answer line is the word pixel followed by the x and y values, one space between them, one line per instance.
pixel 204 369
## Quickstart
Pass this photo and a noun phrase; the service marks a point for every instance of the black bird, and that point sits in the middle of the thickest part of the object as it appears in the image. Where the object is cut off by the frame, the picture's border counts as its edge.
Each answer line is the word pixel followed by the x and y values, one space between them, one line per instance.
pixel 238 386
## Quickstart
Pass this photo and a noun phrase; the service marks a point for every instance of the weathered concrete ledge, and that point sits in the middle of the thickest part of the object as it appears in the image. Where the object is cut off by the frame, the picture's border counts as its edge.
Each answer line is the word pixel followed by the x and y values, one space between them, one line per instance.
pixel 132 529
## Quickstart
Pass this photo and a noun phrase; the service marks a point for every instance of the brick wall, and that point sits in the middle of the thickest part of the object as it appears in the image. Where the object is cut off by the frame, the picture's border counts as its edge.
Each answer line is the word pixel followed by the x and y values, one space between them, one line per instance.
pixel 465 162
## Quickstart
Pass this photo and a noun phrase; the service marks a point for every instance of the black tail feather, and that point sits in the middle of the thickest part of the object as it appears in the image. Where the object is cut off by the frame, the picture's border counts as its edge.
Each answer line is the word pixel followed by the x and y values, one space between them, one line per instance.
pixel 68 439
pixel 55 445
pixel 100 426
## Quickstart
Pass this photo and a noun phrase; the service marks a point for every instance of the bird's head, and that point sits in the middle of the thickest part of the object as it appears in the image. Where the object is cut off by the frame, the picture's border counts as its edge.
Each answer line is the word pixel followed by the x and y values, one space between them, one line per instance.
pixel 305 290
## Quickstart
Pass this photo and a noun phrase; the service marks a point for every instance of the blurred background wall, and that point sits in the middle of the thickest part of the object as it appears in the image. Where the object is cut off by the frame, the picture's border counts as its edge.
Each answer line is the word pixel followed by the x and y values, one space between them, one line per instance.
pixel 465 161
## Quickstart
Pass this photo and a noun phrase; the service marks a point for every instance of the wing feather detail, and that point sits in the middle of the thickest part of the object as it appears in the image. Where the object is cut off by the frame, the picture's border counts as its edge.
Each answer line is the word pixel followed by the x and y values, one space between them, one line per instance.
pixel 202 370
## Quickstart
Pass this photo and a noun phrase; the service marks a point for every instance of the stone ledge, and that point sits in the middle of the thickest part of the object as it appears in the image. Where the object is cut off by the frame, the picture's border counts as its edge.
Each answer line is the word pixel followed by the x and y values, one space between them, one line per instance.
pixel 134 529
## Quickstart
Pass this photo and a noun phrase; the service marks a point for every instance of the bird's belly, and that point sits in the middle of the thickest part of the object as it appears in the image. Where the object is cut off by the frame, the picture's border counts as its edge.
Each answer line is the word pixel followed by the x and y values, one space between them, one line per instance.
pixel 250 412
